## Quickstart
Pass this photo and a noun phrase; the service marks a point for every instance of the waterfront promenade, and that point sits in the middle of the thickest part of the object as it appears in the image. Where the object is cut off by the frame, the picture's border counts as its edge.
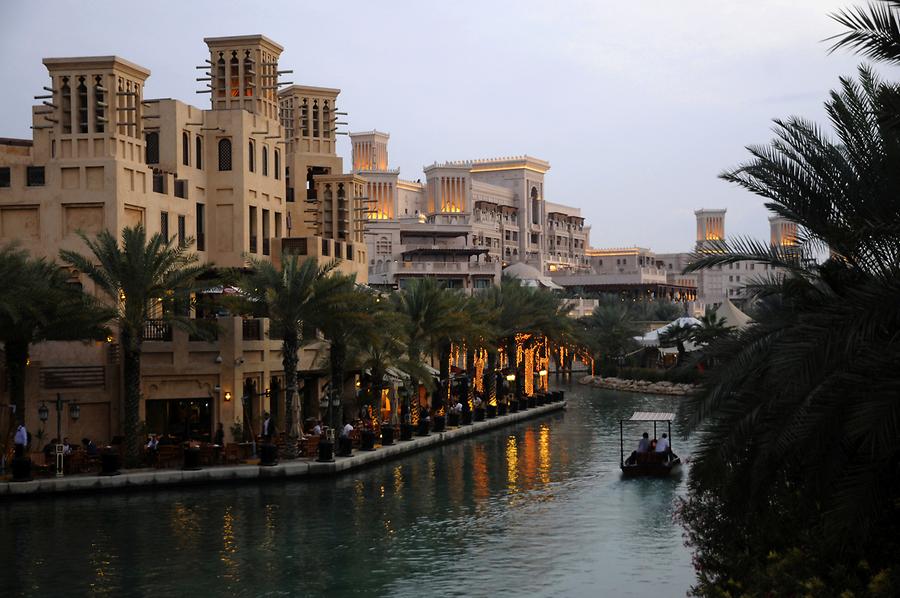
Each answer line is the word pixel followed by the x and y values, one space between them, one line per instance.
pixel 148 479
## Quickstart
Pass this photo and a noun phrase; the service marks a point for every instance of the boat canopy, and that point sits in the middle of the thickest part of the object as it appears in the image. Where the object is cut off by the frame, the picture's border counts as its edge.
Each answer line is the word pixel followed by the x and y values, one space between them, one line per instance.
pixel 652 416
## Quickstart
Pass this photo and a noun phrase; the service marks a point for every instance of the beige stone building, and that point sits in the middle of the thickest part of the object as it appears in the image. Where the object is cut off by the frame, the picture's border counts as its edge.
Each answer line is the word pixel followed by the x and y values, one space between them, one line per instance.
pixel 253 175
pixel 465 222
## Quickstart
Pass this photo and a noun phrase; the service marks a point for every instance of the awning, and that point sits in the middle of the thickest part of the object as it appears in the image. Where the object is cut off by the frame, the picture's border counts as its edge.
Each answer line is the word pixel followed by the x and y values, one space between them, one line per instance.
pixel 652 416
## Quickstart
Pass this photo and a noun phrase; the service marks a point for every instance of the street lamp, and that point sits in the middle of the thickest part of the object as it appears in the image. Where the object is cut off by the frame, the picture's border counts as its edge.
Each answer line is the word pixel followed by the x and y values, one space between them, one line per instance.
pixel 74 413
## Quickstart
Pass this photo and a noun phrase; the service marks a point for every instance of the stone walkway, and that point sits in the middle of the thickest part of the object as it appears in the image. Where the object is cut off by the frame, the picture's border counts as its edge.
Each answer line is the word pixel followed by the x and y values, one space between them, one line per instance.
pixel 149 479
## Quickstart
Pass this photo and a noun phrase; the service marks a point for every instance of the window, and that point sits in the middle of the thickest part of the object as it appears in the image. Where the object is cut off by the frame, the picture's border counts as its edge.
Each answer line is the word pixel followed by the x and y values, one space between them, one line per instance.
pixel 198 150
pixel 277 164
pixel 151 141
pixel 349 251
pixel 164 225
pixel 248 71
pixel 201 237
pixel 304 119
pixel 182 236
pixel 265 161
pixel 277 225
pixel 252 229
pixel 731 279
pixel 82 106
pixel 535 206
pixel 159 182
pixel 99 105
pixel 234 76
pixel 325 251
pixel 185 148
pixel 181 188
pixel 326 120
pixel 251 156
pixel 4 177
pixel 220 76
pixel 225 154
pixel 265 232
pixel 34 176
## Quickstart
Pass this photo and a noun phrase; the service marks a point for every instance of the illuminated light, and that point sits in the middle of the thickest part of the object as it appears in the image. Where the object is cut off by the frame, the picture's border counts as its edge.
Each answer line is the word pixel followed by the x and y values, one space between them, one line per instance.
pixel 109 339
pixel 542 373
pixel 512 463
pixel 121 295
pixel 227 396
pixel 510 377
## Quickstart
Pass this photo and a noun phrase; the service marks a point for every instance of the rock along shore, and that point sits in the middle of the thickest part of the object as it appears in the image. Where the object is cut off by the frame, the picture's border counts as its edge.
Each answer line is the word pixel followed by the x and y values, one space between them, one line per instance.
pixel 149 479
pixel 657 388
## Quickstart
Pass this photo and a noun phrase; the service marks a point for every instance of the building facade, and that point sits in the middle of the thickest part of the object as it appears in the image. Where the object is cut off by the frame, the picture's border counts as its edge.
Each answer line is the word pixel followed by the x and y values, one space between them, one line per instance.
pixel 465 222
pixel 103 156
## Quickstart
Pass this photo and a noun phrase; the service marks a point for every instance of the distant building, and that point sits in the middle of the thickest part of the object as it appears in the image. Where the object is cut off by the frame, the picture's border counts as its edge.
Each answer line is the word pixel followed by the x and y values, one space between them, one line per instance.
pixel 467 221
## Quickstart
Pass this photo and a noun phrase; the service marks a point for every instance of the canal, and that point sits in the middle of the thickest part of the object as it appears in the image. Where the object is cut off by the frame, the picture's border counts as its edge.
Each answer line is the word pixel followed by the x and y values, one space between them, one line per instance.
pixel 535 509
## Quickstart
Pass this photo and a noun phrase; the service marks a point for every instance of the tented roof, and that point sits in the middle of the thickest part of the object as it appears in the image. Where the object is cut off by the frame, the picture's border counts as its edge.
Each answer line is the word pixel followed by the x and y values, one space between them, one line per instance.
pixel 733 317
pixel 529 276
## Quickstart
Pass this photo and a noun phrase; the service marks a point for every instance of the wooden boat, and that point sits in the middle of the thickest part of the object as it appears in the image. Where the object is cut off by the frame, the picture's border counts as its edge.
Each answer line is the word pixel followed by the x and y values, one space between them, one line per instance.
pixel 650 463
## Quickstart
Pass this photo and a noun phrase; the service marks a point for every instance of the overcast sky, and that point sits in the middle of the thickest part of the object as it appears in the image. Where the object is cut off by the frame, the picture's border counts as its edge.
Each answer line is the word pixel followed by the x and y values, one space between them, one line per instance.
pixel 636 105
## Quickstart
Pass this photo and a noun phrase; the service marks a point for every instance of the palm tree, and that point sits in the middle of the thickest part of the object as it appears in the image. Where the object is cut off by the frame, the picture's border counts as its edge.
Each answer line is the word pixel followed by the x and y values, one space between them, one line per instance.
pixel 818 368
pixel 872 31
pixel 678 334
pixel 430 315
pixel 38 303
pixel 142 278
pixel 300 295
pixel 609 331
pixel 711 328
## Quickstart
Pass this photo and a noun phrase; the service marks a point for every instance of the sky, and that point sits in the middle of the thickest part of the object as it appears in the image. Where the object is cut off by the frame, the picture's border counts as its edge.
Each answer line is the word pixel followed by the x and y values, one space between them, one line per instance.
pixel 638 106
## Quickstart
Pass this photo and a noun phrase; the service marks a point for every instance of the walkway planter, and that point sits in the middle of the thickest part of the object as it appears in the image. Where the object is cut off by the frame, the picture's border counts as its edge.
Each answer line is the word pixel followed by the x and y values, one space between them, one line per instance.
pixel 326 451
pixel 367 440
pixel 502 409
pixel 453 419
pixel 479 414
pixel 440 423
pixel 523 404
pixel 513 406
pixel 531 401
pixel 109 463
pixel 491 411
pixel 387 435
pixel 345 446
pixel 406 431
pixel 191 459
pixel 268 455
pixel 21 469
pixel 467 418
pixel 423 428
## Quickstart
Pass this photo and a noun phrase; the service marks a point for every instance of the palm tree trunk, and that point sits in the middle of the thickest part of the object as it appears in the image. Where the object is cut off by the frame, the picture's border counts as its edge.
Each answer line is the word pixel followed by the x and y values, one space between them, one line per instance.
pixel 16 362
pixel 489 378
pixel 443 393
pixel 470 374
pixel 338 359
pixel 131 372
pixel 289 346
pixel 512 356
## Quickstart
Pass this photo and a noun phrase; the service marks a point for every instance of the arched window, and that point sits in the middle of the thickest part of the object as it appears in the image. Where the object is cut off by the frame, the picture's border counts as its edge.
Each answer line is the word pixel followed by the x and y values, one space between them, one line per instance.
pixel 383 246
pixel 315 118
pixel 220 76
pixel 234 76
pixel 225 154
pixel 99 111
pixel 248 72
pixel 277 164
pixel 198 151
pixel 535 206
pixel 152 150
pixel 265 161
pixel 66 106
pixel 82 106
pixel 304 119
pixel 326 120
pixel 251 153
pixel 185 148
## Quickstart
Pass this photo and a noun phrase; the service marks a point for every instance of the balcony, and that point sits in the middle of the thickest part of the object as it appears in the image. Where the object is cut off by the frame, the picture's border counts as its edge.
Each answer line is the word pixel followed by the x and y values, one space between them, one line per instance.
pixel 57 378
pixel 157 330
pixel 294 246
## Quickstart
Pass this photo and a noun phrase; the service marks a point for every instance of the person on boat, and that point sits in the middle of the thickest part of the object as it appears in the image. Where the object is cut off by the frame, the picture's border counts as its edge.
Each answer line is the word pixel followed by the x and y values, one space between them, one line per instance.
pixel 644 444
pixel 663 445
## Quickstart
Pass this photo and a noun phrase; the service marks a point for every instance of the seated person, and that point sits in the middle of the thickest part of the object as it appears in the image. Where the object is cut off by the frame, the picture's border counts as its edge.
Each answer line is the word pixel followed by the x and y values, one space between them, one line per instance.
pixel 663 445
pixel 345 431
pixel 89 447
pixel 67 448
pixel 644 444
pixel 317 429
pixel 153 443
pixel 50 449
pixel 477 401
pixel 652 446
pixel 458 407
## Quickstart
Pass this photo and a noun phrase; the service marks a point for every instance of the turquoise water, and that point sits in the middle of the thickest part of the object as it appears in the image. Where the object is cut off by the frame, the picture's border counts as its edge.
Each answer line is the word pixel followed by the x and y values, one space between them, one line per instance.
pixel 535 509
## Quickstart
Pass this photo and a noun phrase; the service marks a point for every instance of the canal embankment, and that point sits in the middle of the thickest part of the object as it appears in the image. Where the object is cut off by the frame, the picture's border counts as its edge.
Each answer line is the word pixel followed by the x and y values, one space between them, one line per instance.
pixel 150 479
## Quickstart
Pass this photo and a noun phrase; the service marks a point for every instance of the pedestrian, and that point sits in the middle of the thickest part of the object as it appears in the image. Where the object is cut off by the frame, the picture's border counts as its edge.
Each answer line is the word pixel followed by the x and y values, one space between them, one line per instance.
pixel 21 440
pixel 268 427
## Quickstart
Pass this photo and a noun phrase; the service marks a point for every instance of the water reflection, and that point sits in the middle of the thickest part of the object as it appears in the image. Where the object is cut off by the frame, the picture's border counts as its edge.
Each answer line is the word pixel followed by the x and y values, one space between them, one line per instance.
pixel 538 508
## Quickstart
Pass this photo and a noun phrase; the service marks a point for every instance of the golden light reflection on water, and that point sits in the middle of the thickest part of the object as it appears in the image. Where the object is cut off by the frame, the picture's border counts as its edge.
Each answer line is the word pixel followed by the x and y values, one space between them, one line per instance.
pixel 185 524
pixel 480 472
pixel 544 453
pixel 229 546
pixel 102 564
pixel 530 459
pixel 512 464
pixel 271 512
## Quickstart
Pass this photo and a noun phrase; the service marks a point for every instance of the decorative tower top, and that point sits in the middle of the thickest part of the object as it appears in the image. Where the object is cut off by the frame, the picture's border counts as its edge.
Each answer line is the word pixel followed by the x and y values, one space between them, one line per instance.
pixel 243 74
